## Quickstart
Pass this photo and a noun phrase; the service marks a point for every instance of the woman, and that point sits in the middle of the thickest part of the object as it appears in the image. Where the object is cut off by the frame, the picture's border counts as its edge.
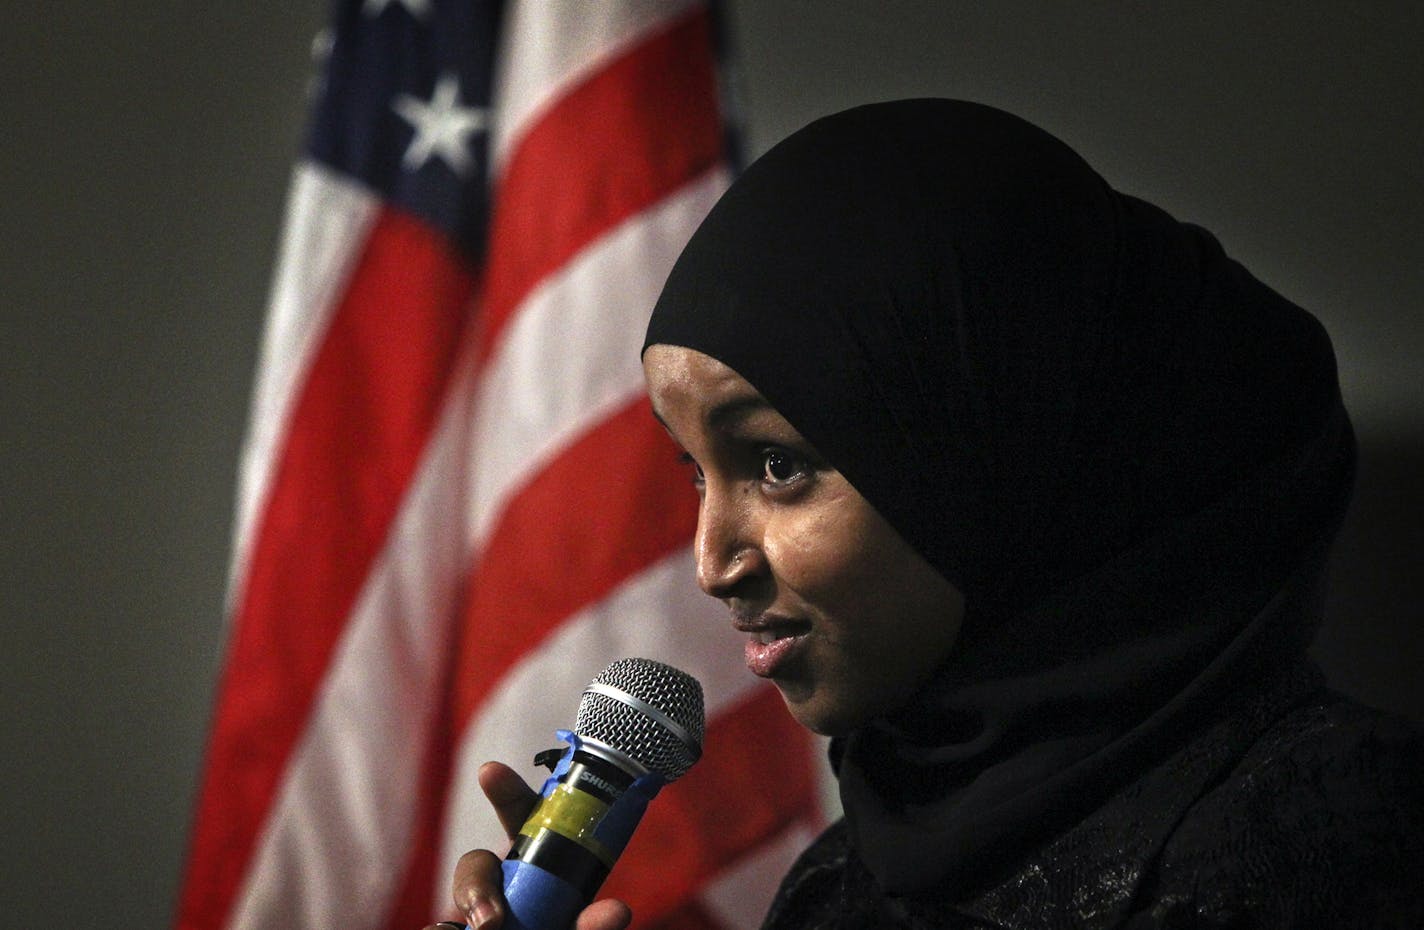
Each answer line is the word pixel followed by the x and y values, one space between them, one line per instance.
pixel 1023 492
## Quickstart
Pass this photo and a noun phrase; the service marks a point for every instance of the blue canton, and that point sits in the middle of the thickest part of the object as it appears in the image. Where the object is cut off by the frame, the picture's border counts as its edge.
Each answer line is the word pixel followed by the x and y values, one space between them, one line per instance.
pixel 403 107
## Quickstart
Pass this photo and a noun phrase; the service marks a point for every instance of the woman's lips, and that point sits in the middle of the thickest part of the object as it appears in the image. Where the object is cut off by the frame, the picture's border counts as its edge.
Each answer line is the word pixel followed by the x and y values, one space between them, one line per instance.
pixel 771 647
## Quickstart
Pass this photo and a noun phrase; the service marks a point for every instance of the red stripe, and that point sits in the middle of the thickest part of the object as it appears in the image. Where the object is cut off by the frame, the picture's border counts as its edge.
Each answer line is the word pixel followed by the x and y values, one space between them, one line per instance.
pixel 631 135
pixel 628 137
pixel 754 782
pixel 611 504
pixel 357 431
pixel 577 530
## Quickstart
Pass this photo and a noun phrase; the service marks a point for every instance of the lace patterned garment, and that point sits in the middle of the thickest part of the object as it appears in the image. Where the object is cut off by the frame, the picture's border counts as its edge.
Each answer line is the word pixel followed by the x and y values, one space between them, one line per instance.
pixel 1318 823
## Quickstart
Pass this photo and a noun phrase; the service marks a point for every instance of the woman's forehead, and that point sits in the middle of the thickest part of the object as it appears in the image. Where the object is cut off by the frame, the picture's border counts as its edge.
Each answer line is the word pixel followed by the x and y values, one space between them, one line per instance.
pixel 697 390
pixel 677 373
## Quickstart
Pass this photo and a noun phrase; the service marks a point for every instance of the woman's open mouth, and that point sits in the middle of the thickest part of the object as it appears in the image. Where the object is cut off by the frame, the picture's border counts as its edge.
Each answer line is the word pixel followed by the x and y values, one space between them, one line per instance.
pixel 772 645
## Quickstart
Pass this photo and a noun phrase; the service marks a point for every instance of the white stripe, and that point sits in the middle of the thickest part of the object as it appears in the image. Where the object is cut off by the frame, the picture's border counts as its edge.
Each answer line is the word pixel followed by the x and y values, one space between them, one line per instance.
pixel 339 831
pixel 658 614
pixel 570 357
pixel 551 46
pixel 328 220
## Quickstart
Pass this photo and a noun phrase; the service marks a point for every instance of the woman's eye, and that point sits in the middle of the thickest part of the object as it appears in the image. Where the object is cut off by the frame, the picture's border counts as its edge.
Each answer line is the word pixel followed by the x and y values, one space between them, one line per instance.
pixel 690 462
pixel 780 466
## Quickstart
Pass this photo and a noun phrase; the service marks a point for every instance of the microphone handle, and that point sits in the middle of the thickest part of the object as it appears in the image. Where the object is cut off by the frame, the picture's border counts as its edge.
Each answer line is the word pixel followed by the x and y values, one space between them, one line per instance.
pixel 587 811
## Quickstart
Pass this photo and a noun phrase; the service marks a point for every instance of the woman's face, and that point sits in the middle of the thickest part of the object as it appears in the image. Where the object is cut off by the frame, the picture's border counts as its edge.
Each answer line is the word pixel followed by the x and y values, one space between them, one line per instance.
pixel 839 611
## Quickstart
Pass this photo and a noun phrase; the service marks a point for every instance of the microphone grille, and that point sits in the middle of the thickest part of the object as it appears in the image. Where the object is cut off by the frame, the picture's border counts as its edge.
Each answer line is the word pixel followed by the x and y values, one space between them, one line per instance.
pixel 648 711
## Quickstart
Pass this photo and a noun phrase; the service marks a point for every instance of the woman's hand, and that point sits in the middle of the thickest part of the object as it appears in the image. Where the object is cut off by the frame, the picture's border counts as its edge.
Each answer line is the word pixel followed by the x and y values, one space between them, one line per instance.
pixel 479 883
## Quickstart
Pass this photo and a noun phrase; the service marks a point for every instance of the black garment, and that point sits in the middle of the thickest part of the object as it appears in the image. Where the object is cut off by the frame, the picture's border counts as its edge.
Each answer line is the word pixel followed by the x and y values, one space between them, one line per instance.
pixel 1129 455
pixel 1300 810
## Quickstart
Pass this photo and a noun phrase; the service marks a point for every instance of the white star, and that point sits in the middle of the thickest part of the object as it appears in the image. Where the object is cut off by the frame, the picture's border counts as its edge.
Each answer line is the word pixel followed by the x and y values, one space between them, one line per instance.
pixel 442 126
pixel 416 8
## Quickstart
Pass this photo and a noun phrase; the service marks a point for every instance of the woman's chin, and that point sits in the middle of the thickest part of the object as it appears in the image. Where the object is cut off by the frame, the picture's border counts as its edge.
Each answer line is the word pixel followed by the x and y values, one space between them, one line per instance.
pixel 817 713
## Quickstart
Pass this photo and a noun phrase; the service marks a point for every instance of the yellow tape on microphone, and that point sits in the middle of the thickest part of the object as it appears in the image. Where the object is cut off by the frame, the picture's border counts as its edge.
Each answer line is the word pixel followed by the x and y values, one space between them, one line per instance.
pixel 572 814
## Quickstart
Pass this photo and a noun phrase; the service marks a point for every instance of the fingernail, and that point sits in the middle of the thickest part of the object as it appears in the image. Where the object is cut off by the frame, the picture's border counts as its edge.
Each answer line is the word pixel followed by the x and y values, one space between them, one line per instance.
pixel 481 911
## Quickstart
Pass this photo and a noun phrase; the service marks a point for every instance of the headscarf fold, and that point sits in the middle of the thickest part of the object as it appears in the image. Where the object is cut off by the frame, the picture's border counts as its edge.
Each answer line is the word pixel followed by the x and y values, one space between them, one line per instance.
pixel 1128 453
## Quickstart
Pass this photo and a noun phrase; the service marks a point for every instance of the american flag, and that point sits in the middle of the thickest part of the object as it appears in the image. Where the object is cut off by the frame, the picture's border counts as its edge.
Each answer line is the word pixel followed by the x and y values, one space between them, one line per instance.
pixel 454 506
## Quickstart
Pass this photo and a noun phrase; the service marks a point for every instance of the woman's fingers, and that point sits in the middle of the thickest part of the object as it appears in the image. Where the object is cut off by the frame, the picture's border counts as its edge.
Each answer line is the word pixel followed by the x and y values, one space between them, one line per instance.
pixel 608 914
pixel 513 800
pixel 479 881
pixel 479 894
pixel 479 888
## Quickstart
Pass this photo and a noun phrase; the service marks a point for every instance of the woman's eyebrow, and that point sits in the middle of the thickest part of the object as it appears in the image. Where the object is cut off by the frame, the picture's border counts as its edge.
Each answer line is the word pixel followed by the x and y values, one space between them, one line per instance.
pixel 732 412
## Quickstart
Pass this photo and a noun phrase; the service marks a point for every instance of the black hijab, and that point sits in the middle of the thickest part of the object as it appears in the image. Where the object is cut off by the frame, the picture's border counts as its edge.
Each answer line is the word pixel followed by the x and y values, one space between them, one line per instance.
pixel 1128 453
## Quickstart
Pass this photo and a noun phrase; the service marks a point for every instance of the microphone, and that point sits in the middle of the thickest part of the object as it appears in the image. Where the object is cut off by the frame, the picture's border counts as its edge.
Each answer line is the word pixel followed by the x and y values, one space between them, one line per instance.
pixel 640 725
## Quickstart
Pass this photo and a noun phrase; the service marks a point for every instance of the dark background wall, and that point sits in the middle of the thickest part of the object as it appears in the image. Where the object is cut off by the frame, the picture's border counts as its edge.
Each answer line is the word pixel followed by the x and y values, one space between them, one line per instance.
pixel 145 154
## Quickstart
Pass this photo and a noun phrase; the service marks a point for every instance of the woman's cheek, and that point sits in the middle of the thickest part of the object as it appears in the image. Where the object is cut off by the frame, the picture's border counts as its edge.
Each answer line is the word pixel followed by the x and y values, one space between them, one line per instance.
pixel 809 551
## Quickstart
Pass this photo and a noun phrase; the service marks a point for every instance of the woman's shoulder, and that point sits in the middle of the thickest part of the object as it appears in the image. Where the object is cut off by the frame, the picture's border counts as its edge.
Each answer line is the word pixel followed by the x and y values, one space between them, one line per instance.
pixel 1320 823
pixel 829 888
pixel 813 893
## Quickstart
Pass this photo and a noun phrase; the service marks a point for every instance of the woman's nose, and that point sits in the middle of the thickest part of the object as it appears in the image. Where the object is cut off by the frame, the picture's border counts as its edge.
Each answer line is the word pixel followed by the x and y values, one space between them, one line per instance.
pixel 727 546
